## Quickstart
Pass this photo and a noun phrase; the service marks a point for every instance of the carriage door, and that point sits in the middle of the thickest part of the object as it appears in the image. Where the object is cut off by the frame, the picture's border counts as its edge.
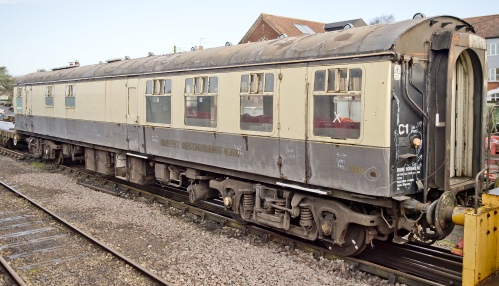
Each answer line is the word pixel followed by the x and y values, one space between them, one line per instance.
pixel 132 117
pixel 28 98
pixel 462 118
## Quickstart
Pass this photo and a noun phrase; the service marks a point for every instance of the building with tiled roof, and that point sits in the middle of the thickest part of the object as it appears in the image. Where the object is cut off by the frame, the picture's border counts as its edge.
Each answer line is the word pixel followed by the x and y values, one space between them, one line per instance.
pixel 488 27
pixel 268 27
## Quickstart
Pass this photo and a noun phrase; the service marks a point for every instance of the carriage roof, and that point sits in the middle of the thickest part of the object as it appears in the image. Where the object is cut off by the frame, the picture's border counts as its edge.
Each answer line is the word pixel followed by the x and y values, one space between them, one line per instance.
pixel 361 41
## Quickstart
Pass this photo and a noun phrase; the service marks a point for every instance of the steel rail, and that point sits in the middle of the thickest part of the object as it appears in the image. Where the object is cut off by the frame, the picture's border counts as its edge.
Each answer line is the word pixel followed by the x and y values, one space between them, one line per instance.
pixel 9 152
pixel 388 270
pixel 117 254
pixel 13 274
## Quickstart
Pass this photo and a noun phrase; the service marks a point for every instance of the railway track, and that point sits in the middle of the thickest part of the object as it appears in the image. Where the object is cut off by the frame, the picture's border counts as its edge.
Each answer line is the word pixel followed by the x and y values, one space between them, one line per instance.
pixel 409 264
pixel 12 153
pixel 8 276
pixel 35 243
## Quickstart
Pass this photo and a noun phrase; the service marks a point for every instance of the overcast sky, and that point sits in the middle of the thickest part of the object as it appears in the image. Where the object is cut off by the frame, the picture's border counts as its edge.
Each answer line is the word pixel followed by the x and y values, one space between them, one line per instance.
pixel 38 34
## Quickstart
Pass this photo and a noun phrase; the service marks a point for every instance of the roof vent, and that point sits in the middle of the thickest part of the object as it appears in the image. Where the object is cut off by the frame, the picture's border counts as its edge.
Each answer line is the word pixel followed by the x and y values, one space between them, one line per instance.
pixel 70 66
pixel 150 54
pixel 348 26
pixel 419 16
pixel 227 44
pixel 40 70
pixel 114 60
pixel 282 36
pixel 127 58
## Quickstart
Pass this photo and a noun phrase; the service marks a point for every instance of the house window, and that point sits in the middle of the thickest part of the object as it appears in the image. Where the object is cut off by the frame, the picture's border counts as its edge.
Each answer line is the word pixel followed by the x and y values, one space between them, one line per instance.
pixel 159 101
pixel 304 29
pixel 70 95
pixel 49 96
pixel 494 97
pixel 492 49
pixel 256 102
pixel 493 75
pixel 337 103
pixel 201 101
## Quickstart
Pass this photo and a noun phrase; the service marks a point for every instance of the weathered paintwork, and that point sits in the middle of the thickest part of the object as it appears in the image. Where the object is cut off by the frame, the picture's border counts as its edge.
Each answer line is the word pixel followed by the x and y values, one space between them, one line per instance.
pixel 334 166
pixel 110 106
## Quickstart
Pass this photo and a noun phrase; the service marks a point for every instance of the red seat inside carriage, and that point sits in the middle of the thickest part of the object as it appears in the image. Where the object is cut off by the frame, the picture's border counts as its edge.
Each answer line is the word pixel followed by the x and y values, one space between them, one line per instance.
pixel 341 122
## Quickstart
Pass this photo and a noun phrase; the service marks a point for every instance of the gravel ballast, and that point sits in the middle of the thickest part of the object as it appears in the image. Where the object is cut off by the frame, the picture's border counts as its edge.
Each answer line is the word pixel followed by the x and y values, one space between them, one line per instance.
pixel 175 246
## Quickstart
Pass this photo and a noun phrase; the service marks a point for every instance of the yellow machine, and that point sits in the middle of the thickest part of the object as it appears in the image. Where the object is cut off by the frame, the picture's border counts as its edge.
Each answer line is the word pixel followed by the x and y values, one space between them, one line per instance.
pixel 481 236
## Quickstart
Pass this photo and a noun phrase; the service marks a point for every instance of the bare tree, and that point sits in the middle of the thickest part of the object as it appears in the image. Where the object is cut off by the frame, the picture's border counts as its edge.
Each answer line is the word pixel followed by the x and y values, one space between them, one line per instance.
pixel 383 19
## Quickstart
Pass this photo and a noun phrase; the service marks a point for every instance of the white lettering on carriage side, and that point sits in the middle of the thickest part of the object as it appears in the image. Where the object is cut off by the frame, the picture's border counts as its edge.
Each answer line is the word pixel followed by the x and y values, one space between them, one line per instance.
pixel 397 70
pixel 290 152
pixel 408 174
pixel 403 129
pixel 340 160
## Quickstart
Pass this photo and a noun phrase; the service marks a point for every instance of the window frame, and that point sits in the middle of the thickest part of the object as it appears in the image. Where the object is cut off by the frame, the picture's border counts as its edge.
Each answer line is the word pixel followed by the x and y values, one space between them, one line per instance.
pixel 19 91
pixel 493 74
pixel 492 51
pixel 200 86
pixel 70 93
pixel 337 92
pixel 257 89
pixel 50 95
pixel 158 88
pixel 19 100
pixel 494 97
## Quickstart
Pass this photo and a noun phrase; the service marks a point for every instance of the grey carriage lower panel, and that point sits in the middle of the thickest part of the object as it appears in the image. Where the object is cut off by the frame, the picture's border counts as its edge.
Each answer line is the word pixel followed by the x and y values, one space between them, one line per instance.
pixel 351 168
pixel 257 155
pixel 356 169
pixel 113 135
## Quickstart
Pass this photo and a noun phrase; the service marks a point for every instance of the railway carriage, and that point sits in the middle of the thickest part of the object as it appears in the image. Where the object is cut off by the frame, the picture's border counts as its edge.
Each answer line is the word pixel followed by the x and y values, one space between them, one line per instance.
pixel 344 137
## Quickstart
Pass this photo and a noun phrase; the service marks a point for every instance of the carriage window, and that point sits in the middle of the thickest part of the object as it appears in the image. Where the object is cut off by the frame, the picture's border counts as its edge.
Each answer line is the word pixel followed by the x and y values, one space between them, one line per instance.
pixel 331 84
pixel 256 84
pixel 342 79
pixel 337 112
pixel 19 100
pixel 49 96
pixel 320 81
pixel 269 82
pixel 70 95
pixel 201 101
pixel 159 86
pixel 355 80
pixel 158 101
pixel 256 102
pixel 213 85
pixel 244 83
pixel 149 87
pixel 188 86
pixel 167 86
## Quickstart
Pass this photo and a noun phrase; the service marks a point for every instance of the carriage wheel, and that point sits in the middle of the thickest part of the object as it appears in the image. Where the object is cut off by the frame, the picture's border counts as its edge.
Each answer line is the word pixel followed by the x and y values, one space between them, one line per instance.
pixel 59 160
pixel 355 238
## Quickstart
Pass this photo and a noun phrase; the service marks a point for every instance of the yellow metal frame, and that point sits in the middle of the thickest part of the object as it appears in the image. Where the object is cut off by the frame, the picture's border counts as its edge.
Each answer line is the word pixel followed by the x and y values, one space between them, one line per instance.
pixel 481 242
